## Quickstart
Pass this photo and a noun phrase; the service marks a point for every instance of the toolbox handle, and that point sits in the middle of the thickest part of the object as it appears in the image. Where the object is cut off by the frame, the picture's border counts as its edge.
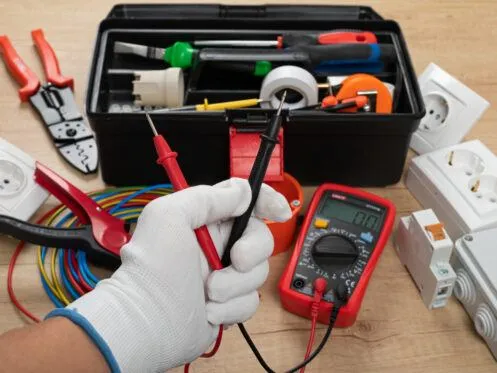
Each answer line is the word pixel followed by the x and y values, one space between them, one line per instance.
pixel 267 12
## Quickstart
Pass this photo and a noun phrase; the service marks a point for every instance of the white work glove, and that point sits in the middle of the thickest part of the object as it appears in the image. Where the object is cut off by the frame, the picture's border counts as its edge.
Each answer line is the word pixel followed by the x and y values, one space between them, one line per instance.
pixel 162 308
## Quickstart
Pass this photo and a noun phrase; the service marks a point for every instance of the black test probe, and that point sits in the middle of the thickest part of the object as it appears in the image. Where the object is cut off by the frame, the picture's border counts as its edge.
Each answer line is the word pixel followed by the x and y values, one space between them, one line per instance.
pixel 269 139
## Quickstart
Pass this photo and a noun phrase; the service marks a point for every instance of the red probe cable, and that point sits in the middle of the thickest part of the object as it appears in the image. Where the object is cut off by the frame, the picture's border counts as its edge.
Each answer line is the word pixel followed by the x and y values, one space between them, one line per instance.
pixel 167 159
pixel 319 290
pixel 10 272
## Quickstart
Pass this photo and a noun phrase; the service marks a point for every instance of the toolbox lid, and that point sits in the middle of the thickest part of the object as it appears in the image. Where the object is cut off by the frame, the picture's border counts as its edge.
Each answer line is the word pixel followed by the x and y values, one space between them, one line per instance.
pixel 213 11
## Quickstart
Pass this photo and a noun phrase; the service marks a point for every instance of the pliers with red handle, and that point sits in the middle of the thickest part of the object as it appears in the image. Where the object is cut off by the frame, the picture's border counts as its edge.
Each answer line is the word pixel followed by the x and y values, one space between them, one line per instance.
pixel 101 235
pixel 55 103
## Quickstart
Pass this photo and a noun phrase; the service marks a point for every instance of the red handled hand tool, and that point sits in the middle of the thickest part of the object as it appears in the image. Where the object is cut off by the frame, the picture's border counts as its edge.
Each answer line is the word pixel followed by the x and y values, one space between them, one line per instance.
pixel 101 235
pixel 292 39
pixel 54 102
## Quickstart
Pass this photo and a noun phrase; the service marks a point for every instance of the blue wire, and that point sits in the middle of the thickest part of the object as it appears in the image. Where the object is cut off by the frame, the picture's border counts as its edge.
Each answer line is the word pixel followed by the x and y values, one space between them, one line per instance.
pixel 136 194
pixel 63 276
pixel 87 274
pixel 49 292
pixel 81 257
pixel 51 295
pixel 71 266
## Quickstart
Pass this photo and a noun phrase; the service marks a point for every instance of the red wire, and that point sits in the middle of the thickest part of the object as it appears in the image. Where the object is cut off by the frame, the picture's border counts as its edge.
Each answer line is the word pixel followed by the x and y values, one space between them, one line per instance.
pixel 82 281
pixel 69 275
pixel 311 340
pixel 212 352
pixel 10 272
pixel 219 338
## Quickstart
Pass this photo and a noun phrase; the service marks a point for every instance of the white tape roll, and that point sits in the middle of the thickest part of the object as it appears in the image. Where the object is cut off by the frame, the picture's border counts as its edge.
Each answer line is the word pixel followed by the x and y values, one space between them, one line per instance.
pixel 289 77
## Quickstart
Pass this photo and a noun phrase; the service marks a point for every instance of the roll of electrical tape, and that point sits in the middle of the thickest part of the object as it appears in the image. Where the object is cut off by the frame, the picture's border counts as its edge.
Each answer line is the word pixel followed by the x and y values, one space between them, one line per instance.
pixel 289 78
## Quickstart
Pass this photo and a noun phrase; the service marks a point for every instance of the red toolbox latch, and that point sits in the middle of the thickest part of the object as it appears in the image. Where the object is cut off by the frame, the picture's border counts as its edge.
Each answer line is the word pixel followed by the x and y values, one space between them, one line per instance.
pixel 244 145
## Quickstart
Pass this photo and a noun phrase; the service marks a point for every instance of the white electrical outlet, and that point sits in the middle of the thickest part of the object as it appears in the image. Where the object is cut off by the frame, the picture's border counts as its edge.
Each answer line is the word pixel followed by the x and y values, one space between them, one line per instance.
pixel 460 184
pixel 20 195
pixel 425 248
pixel 475 262
pixel 452 109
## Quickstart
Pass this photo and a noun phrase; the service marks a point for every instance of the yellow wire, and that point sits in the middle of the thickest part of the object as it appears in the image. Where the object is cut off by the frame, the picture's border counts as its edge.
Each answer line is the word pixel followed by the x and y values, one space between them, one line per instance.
pixel 54 284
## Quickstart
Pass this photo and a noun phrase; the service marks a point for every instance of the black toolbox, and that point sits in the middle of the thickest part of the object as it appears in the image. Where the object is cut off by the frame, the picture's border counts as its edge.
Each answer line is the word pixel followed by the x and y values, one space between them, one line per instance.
pixel 356 149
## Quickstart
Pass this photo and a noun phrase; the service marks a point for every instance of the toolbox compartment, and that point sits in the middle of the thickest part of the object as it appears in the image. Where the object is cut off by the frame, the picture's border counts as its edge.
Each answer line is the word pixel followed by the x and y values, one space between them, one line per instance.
pixel 354 149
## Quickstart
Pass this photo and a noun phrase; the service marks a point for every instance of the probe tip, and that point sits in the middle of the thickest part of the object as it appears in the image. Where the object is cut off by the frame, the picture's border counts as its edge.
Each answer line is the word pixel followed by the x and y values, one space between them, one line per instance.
pixel 154 130
pixel 283 97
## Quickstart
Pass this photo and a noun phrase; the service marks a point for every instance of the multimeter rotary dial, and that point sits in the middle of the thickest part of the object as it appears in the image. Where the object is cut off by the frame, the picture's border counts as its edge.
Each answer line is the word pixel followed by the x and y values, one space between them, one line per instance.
pixel 336 254
pixel 332 252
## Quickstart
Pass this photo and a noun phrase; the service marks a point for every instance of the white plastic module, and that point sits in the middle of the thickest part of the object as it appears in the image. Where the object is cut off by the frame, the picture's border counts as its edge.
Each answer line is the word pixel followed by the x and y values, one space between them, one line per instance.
pixel 475 262
pixel 20 195
pixel 424 247
pixel 460 184
pixel 452 109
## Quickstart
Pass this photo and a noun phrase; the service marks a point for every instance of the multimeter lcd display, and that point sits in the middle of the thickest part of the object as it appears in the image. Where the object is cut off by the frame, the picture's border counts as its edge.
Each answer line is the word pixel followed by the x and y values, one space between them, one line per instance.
pixel 350 213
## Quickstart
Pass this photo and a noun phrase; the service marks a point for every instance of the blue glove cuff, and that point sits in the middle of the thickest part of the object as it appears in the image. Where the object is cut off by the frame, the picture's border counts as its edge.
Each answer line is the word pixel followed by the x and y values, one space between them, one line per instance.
pixel 84 324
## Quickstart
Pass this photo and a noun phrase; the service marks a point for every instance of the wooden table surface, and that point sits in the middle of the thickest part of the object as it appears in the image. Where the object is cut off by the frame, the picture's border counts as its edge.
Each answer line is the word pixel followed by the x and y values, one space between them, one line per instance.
pixel 394 331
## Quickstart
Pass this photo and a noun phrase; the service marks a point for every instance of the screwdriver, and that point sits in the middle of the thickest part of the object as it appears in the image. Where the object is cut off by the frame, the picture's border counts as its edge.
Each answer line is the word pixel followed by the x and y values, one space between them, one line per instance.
pixel 167 159
pixel 216 106
pixel 291 39
pixel 269 139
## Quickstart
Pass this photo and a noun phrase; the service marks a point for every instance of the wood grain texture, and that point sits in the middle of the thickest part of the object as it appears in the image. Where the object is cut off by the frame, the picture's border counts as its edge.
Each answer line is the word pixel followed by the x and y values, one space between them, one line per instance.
pixel 394 331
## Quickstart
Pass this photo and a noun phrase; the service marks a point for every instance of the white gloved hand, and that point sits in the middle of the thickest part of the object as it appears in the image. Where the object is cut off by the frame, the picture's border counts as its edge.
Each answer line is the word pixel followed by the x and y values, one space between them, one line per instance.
pixel 162 308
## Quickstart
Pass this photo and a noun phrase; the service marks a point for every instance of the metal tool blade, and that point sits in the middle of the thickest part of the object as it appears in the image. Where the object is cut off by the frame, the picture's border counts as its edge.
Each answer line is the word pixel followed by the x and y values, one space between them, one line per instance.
pixel 236 43
pixel 82 155
pixel 139 50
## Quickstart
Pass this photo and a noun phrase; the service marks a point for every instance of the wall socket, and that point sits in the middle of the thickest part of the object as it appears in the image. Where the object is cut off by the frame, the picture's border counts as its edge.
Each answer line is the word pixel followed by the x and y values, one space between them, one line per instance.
pixel 460 184
pixel 424 248
pixel 452 109
pixel 20 195
pixel 475 262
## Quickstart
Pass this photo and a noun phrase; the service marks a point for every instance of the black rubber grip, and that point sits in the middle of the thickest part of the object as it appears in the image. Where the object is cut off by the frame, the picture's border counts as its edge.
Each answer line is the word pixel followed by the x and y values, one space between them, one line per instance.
pixel 68 238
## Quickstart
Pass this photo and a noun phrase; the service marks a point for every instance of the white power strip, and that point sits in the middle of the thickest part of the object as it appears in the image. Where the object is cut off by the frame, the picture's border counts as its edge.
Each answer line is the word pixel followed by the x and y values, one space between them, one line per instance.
pixel 452 109
pixel 460 184
pixel 425 248
pixel 20 195
pixel 475 262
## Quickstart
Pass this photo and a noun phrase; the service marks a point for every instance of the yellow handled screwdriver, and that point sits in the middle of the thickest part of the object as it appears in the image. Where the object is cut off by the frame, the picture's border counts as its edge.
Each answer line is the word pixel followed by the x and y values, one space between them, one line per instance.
pixel 219 106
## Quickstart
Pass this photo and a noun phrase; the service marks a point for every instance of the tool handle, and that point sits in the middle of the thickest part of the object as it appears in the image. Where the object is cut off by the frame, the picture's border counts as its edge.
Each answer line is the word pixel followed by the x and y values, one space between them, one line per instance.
pixel 227 105
pixel 350 37
pixel 342 54
pixel 69 238
pixel 108 231
pixel 291 39
pixel 21 73
pixel 49 60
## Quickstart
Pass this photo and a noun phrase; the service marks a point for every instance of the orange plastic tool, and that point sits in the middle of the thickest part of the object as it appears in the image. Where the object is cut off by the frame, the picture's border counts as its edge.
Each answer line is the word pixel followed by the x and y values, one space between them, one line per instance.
pixel 358 84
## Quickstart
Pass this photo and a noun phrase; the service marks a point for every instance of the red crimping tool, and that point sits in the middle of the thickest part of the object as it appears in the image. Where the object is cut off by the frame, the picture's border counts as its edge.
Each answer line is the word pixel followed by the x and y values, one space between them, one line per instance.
pixel 54 102
pixel 101 235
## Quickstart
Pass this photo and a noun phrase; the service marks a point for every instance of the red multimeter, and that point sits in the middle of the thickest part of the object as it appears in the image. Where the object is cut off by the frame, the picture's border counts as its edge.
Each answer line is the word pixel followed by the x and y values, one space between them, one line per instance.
pixel 343 235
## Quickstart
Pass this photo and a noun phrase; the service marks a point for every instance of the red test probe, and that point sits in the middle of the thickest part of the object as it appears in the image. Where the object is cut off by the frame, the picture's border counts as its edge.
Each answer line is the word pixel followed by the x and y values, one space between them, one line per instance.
pixel 167 159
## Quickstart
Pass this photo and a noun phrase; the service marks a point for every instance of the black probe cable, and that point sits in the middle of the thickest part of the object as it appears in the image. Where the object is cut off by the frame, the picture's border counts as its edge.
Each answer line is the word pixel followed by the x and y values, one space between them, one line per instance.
pixel 337 305
pixel 269 139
